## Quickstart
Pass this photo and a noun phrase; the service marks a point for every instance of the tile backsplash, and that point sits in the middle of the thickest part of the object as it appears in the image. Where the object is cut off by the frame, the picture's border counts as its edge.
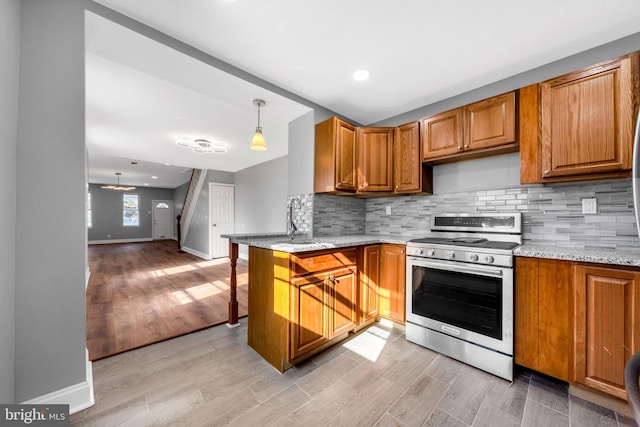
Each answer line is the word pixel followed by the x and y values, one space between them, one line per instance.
pixel 551 213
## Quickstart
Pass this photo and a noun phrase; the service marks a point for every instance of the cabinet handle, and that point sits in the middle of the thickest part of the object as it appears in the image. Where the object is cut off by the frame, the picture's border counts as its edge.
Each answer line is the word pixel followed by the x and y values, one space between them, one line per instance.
pixel 546 172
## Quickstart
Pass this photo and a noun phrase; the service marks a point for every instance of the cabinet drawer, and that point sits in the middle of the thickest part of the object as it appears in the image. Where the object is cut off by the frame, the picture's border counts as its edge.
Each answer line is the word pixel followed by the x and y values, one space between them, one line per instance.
pixel 317 261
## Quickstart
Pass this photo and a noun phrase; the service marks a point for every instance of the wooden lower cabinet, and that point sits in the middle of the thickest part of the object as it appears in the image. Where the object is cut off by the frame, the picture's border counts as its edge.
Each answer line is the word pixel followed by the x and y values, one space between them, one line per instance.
pixel 606 326
pixel 391 297
pixel 308 314
pixel 300 304
pixel 542 308
pixel 369 279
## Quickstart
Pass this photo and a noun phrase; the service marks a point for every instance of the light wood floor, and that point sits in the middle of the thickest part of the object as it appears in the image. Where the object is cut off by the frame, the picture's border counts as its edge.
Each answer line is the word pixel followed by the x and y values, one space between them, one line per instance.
pixel 376 378
pixel 142 293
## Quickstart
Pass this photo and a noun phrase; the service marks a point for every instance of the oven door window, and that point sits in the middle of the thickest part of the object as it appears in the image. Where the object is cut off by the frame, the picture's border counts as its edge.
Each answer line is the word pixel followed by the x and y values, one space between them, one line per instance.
pixel 468 301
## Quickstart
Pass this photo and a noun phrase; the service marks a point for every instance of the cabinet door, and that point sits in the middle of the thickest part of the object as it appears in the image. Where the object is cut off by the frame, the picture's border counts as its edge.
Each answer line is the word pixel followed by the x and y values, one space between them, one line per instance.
pixel 334 156
pixel 375 159
pixel 392 283
pixel 345 156
pixel 369 278
pixel 490 123
pixel 542 324
pixel 527 301
pixel 442 134
pixel 407 167
pixel 309 314
pixel 554 325
pixel 342 297
pixel 607 325
pixel 587 120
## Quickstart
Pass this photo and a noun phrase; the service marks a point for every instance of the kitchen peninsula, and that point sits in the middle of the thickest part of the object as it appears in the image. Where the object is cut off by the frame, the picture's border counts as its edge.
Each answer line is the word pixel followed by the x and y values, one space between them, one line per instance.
pixel 307 293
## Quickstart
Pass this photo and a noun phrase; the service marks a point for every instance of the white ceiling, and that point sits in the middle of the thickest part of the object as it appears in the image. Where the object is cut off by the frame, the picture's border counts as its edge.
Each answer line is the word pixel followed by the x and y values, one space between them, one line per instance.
pixel 141 96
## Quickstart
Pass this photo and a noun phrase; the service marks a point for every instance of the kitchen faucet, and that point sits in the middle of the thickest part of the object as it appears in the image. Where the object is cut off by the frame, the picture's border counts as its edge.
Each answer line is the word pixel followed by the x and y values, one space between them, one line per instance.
pixel 291 227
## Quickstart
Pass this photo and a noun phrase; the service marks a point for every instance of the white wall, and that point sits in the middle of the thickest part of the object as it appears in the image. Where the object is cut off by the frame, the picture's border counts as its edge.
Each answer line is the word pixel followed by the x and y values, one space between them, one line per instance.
pixel 9 52
pixel 51 187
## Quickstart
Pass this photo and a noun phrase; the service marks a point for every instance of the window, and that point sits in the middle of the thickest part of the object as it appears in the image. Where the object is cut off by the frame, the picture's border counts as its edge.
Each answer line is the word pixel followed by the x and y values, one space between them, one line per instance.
pixel 89 218
pixel 130 211
pixel 162 205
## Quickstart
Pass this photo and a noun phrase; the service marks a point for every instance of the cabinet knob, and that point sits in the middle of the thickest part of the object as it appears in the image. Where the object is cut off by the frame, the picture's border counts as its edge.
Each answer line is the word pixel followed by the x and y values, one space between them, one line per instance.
pixel 546 172
pixel 459 147
pixel 466 146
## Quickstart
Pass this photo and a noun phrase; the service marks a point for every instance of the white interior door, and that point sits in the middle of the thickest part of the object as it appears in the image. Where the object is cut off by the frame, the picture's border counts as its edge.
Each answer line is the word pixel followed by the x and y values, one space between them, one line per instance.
pixel 222 199
pixel 162 219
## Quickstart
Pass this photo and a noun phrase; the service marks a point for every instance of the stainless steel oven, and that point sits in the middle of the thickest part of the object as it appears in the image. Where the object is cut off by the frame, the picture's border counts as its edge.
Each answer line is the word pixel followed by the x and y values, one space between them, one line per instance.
pixel 460 289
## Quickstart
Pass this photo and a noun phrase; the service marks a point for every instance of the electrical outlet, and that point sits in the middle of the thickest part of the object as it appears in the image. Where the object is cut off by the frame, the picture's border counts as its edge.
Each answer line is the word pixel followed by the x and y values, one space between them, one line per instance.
pixel 388 210
pixel 590 206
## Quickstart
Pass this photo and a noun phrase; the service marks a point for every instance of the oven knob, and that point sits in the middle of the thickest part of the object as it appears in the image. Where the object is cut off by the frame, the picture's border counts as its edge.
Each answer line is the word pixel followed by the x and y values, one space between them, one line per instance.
pixel 431 252
pixel 450 254
pixel 473 257
pixel 489 259
pixel 419 251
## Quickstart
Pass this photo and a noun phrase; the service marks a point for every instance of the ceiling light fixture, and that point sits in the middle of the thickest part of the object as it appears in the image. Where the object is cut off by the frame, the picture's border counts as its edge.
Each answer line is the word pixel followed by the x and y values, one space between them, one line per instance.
pixel 201 146
pixel 257 143
pixel 361 75
pixel 118 187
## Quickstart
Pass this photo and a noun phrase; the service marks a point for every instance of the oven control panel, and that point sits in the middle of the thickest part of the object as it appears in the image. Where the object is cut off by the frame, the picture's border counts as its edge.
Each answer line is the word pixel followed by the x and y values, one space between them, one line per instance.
pixel 462 255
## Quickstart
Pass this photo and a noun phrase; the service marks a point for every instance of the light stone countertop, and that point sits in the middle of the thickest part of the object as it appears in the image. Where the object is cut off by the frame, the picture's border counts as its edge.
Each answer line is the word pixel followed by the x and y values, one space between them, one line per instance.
pixel 629 257
pixel 304 243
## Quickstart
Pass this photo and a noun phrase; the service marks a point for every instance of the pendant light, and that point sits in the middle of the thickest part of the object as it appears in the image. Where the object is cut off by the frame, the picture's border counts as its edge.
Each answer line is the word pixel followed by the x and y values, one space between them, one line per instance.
pixel 257 143
pixel 118 187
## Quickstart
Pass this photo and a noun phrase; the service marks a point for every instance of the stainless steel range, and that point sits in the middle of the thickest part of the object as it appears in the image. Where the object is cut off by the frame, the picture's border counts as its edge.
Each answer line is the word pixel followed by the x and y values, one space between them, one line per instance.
pixel 460 289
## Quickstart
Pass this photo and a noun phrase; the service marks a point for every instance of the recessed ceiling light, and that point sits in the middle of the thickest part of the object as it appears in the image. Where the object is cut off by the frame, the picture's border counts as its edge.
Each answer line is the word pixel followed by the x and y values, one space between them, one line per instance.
pixel 146 183
pixel 167 164
pixel 361 75
pixel 154 177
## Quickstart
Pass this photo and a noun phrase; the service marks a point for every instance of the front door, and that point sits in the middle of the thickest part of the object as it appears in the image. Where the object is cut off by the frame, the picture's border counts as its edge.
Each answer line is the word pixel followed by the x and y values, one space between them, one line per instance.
pixel 222 217
pixel 162 221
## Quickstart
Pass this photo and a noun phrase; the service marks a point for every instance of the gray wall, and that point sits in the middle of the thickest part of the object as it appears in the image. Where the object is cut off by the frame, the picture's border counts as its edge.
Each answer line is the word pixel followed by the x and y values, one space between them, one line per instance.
pixel 197 237
pixel 51 188
pixel 572 63
pixel 107 212
pixel 9 52
pixel 261 198
pixel 300 156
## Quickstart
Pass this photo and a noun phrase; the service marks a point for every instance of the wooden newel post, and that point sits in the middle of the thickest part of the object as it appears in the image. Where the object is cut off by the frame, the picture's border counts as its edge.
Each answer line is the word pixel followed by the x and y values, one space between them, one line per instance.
pixel 233 300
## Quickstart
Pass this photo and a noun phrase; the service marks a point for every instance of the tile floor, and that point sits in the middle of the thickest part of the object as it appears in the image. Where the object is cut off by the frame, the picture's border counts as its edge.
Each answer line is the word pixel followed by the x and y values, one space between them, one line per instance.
pixel 375 378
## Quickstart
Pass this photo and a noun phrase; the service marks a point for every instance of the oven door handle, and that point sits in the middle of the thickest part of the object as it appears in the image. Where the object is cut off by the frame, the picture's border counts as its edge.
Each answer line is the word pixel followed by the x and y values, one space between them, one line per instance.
pixel 461 268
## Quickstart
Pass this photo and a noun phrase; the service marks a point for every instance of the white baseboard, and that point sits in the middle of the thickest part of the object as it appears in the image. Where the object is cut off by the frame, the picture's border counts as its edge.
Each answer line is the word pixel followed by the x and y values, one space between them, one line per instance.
pixel 196 253
pixel 106 242
pixel 78 396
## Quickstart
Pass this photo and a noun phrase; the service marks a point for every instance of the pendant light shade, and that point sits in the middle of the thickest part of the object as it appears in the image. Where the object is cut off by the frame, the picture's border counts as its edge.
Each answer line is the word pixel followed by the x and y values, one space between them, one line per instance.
pixel 258 143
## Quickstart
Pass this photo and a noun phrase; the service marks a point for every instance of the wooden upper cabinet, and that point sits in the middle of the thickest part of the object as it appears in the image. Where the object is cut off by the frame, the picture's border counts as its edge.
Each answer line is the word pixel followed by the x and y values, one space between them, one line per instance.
pixel 484 128
pixel 491 122
pixel 442 134
pixel 375 159
pixel 580 125
pixel 607 326
pixel 335 157
pixel 408 170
